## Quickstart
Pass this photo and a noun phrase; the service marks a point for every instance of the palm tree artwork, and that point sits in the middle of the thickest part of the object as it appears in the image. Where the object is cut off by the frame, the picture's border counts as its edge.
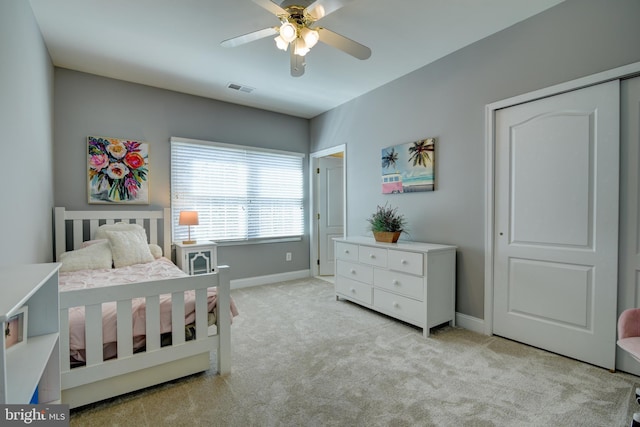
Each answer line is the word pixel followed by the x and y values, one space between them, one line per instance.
pixel 409 167
pixel 420 152
pixel 389 158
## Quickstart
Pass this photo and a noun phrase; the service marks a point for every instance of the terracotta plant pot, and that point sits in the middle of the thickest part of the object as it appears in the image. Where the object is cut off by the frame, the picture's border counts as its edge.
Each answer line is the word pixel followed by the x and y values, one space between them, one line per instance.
pixel 386 236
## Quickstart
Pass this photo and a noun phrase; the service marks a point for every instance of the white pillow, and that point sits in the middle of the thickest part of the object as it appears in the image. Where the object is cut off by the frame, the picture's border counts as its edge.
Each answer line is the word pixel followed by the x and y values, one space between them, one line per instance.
pixel 156 250
pixel 97 255
pixel 92 242
pixel 119 226
pixel 128 248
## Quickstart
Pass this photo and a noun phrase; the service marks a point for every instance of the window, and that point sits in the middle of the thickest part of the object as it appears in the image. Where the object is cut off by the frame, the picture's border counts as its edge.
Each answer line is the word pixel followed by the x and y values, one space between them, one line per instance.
pixel 240 193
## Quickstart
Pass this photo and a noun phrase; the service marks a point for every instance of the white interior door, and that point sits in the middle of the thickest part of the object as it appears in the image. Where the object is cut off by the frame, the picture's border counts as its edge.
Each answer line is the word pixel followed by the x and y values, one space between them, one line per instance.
pixel 629 288
pixel 556 223
pixel 330 210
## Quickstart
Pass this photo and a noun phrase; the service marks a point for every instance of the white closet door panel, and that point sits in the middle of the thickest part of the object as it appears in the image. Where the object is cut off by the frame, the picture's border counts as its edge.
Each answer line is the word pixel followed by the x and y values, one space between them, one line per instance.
pixel 629 290
pixel 551 172
pixel 556 222
pixel 531 282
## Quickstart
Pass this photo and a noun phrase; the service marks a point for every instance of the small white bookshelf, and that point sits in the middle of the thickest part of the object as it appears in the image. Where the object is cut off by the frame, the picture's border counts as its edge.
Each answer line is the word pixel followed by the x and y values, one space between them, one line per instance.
pixel 34 363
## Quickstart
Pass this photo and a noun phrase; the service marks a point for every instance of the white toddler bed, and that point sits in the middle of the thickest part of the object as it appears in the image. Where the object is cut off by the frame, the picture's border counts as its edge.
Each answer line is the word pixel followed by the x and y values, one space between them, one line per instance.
pixel 158 362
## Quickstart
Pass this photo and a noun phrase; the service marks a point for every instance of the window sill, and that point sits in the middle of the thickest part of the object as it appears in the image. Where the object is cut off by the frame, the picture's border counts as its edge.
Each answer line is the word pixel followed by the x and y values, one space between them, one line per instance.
pixel 257 241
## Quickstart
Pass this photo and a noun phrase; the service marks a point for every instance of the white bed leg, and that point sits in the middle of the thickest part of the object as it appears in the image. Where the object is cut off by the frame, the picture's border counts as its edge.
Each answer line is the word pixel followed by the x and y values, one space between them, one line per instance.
pixel 224 321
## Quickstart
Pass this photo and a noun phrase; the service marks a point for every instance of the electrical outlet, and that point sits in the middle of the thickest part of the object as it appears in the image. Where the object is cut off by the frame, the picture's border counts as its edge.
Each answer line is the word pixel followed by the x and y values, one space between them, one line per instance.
pixel 288 256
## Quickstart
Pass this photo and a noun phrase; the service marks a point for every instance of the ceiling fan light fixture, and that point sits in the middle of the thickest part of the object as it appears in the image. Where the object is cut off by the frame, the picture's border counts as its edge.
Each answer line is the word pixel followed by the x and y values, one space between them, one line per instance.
pixel 295 30
pixel 310 37
pixel 300 48
pixel 281 44
pixel 288 32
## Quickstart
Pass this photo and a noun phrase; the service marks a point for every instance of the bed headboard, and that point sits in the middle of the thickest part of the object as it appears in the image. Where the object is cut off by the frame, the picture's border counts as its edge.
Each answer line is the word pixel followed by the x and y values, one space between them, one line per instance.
pixel 83 226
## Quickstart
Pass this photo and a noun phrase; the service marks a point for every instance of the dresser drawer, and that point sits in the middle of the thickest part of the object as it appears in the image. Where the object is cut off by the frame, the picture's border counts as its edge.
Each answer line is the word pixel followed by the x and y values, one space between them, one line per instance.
pixel 403 308
pixel 347 251
pixel 400 283
pixel 407 262
pixel 352 289
pixel 359 272
pixel 372 256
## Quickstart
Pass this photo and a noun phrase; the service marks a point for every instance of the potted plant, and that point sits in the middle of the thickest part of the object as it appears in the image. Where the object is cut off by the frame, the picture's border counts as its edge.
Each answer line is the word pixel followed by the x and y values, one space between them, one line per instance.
pixel 387 224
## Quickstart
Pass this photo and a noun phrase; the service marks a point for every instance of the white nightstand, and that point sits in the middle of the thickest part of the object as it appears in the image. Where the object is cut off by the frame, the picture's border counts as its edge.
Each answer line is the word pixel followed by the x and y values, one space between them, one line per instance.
pixel 197 258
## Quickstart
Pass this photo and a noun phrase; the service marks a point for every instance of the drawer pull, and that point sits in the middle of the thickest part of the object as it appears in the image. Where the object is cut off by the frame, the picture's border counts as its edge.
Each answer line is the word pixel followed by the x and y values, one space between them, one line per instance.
pixel 353 290
pixel 372 256
pixel 353 271
pixel 346 251
pixel 403 261
pixel 396 305
pixel 395 282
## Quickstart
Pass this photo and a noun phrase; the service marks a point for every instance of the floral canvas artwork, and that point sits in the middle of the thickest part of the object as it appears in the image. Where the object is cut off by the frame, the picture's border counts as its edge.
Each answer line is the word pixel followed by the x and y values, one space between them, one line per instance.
pixel 408 168
pixel 118 170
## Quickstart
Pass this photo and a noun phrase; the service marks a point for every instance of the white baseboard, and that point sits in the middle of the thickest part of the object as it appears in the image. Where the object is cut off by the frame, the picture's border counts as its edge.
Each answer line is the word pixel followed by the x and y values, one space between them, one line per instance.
pixel 270 278
pixel 462 320
pixel 471 323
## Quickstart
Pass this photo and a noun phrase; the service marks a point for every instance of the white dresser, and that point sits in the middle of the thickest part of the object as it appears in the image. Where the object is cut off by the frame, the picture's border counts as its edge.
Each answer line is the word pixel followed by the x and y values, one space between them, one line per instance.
pixel 411 281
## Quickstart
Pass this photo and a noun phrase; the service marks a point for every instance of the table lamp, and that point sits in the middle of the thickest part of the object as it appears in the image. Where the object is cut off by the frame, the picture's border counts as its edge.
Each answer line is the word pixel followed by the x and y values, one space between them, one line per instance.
pixel 188 218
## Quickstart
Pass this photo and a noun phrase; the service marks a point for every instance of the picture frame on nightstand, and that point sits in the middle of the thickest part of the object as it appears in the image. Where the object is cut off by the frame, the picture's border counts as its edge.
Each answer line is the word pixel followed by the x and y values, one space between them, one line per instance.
pixel 15 329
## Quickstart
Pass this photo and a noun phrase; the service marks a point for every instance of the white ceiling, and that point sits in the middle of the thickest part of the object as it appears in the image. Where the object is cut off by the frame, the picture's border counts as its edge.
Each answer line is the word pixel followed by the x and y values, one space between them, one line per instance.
pixel 175 44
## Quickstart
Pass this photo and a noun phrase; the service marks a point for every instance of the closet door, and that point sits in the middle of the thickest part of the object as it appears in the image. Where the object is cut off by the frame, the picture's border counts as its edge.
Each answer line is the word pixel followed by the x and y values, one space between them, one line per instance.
pixel 556 223
pixel 629 290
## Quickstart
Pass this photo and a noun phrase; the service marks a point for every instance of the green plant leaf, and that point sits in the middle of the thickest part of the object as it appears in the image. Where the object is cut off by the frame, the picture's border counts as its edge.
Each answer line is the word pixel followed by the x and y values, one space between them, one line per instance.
pixel 386 218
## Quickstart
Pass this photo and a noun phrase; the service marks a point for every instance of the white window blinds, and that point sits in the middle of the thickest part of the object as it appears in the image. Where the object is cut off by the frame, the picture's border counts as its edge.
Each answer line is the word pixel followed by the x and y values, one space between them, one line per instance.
pixel 240 193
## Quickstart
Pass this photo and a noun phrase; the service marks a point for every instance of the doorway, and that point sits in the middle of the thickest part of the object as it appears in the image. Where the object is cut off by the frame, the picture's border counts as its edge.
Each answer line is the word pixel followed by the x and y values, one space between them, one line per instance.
pixel 328 207
pixel 516 303
pixel 556 223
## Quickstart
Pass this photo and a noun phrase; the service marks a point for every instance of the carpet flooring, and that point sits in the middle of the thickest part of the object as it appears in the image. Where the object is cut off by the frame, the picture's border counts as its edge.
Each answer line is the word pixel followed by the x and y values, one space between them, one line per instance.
pixel 301 358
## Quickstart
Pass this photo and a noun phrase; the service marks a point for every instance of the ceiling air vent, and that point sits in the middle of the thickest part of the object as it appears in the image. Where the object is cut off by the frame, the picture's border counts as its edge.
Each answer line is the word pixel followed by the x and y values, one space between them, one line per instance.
pixel 241 88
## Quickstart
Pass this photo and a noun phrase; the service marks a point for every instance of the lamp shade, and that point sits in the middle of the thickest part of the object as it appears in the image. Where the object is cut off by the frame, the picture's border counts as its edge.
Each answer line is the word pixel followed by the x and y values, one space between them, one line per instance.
pixel 282 45
pixel 300 48
pixel 188 218
pixel 310 37
pixel 288 32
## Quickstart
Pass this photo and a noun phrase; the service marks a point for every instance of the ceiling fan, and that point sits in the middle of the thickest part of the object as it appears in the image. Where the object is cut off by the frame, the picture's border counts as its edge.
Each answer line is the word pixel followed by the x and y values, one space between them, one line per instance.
pixel 296 30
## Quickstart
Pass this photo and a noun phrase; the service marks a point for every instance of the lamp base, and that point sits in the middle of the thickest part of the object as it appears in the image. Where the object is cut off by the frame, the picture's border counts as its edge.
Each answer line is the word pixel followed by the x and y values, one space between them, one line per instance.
pixel 188 242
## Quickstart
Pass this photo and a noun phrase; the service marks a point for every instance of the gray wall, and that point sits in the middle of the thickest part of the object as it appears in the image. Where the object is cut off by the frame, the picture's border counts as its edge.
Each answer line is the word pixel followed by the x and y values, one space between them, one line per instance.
pixel 86 105
pixel 26 116
pixel 446 100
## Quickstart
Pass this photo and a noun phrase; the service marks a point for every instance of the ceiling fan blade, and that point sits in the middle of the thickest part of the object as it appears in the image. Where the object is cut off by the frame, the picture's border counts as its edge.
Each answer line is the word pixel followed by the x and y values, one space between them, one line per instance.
pixel 321 8
pixel 297 64
pixel 271 7
pixel 343 43
pixel 256 35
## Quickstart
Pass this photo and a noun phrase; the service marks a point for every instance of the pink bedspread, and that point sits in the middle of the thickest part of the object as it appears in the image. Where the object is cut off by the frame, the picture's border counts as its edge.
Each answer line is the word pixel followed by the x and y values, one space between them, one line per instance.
pixel 161 268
